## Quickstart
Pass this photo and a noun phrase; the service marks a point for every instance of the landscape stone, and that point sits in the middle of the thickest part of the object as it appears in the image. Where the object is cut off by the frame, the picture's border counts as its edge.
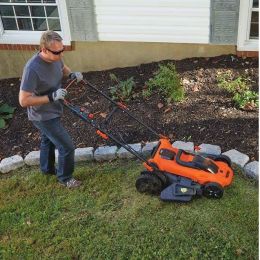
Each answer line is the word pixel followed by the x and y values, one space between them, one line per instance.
pixel 84 154
pixel 148 147
pixel 210 149
pixel 81 154
pixel 123 153
pixel 237 157
pixel 187 146
pixel 32 158
pixel 11 163
pixel 252 170
pixel 105 153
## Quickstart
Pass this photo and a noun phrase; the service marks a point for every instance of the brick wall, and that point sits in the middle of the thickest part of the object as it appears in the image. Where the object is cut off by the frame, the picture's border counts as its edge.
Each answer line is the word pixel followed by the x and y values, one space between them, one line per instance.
pixel 248 54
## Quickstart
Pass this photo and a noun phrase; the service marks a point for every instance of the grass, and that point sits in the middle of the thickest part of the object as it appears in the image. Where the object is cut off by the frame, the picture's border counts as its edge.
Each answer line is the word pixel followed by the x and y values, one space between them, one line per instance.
pixel 108 219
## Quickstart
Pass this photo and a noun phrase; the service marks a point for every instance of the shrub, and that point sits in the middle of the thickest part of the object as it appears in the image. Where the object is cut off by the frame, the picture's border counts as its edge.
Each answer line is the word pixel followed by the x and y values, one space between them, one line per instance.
pixel 232 85
pixel 243 97
pixel 168 82
pixel 6 112
pixel 247 100
pixel 123 89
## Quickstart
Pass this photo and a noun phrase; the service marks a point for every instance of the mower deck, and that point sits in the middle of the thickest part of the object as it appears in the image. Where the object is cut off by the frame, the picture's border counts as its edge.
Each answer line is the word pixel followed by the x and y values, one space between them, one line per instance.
pixel 176 188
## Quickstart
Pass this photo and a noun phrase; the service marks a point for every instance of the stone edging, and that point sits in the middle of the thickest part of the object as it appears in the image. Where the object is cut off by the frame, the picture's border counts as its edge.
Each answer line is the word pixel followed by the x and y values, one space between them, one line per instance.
pixel 108 153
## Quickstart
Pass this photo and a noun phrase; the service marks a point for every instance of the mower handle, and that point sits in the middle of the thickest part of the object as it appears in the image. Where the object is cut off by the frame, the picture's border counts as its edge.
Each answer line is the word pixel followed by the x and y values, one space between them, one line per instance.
pixel 124 109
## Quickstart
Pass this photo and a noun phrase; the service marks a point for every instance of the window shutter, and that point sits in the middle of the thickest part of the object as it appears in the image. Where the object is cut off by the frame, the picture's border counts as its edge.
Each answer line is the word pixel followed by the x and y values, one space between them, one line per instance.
pixel 82 20
pixel 1 27
pixel 224 21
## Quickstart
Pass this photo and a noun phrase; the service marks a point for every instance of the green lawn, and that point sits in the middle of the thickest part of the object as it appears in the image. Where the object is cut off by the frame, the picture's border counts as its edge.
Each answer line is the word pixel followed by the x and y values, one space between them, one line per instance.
pixel 108 219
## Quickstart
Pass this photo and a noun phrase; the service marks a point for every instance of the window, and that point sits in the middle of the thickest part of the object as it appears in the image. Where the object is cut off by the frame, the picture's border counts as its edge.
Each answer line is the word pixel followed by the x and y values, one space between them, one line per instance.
pixel 248 28
pixel 254 31
pixel 26 19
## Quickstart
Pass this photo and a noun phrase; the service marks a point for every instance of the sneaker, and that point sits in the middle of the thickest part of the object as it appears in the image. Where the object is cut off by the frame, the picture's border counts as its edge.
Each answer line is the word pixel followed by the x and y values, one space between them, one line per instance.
pixel 72 183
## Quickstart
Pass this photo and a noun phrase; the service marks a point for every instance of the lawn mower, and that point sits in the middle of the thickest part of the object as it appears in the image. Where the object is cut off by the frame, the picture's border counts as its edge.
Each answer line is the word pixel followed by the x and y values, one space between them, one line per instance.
pixel 173 174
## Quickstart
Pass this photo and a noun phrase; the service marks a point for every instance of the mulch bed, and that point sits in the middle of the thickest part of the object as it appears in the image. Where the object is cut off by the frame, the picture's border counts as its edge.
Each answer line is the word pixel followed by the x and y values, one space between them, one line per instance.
pixel 207 115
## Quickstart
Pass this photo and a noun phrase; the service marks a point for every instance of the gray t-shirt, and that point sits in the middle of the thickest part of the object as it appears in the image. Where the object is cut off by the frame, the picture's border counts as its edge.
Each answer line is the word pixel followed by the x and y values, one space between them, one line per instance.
pixel 41 78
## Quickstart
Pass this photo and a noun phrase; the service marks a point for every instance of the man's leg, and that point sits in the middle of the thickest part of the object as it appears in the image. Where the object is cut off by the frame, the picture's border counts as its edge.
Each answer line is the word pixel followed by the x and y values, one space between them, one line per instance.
pixel 56 133
pixel 47 155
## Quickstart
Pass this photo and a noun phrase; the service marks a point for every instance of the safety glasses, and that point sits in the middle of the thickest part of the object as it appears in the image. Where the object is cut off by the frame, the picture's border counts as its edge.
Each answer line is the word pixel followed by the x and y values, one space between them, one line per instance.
pixel 55 52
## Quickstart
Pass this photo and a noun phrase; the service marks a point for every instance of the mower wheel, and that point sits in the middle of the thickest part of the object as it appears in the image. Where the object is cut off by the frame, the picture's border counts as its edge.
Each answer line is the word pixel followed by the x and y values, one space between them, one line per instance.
pixel 223 158
pixel 149 183
pixel 213 190
pixel 163 178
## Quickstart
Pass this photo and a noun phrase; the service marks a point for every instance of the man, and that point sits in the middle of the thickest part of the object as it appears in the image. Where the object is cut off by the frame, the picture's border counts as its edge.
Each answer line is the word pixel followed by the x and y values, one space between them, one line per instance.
pixel 41 93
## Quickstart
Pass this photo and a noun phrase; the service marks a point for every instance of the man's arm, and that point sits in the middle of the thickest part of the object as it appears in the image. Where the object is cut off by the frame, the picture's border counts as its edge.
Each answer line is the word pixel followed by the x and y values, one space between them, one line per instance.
pixel 27 99
pixel 66 71
pixel 72 75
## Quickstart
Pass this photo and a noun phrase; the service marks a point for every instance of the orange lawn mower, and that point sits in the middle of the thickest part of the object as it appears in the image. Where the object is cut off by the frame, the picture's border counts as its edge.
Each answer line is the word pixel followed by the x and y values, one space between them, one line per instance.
pixel 172 173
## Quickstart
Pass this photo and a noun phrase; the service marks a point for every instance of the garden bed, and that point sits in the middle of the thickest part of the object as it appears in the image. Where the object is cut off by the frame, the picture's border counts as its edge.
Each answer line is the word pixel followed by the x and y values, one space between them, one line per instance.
pixel 206 115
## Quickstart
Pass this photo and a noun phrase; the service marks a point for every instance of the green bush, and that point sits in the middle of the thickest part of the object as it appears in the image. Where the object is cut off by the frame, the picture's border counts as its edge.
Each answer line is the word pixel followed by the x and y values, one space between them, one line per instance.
pixel 232 85
pixel 123 90
pixel 243 97
pixel 168 82
pixel 6 112
pixel 248 99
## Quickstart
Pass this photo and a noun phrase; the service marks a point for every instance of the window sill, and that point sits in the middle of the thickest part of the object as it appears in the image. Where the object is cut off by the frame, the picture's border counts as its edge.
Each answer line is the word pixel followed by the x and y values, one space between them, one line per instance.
pixel 249 46
pixel 24 37
pixel 27 47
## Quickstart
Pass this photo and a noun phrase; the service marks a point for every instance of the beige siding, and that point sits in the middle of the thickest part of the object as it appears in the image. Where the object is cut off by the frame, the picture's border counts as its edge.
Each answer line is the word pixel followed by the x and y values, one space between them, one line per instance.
pixel 179 21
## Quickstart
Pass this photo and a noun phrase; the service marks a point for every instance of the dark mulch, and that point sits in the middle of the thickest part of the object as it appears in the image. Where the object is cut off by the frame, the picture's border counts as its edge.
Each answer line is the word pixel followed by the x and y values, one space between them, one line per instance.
pixel 207 115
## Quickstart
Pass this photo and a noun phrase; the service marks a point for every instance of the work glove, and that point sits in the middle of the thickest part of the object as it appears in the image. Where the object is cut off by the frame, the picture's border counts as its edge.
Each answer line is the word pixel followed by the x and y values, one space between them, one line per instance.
pixel 76 75
pixel 57 95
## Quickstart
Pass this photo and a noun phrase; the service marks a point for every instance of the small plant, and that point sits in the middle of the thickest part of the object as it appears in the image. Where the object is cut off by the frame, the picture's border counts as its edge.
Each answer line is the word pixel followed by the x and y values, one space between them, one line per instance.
pixel 232 85
pixel 123 89
pixel 6 112
pixel 248 100
pixel 243 97
pixel 146 92
pixel 168 82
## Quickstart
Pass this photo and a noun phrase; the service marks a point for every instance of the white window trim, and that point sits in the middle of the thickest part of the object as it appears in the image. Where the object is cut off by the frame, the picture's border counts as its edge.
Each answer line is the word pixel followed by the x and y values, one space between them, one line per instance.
pixel 33 37
pixel 243 41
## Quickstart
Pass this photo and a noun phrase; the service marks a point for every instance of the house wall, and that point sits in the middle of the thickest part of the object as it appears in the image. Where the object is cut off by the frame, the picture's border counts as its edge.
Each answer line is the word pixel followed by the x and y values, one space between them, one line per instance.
pixel 93 56
pixel 112 33
pixel 179 21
